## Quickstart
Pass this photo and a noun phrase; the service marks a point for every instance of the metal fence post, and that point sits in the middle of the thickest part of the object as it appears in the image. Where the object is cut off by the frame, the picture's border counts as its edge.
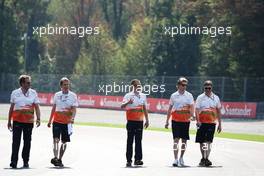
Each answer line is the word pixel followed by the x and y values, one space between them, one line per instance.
pixel 223 89
pixel 245 89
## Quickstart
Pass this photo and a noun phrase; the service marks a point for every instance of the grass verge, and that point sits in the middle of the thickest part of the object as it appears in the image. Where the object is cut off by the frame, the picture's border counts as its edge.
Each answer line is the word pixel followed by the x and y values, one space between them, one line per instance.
pixel 227 135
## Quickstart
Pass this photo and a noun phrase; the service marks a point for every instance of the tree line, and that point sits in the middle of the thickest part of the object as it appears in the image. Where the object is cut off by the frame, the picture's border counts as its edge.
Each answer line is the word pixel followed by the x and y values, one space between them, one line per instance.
pixel 131 39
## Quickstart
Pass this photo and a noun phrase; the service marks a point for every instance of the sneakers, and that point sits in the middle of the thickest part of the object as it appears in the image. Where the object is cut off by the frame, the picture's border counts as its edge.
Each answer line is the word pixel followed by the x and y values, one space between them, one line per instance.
pixel 25 165
pixel 175 163
pixel 207 162
pixel 138 163
pixel 129 164
pixel 56 162
pixel 13 165
pixel 181 162
pixel 60 163
pixel 202 162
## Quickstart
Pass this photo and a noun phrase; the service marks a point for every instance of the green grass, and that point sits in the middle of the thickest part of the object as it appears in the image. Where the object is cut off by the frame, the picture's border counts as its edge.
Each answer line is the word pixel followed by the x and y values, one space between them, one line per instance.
pixel 239 136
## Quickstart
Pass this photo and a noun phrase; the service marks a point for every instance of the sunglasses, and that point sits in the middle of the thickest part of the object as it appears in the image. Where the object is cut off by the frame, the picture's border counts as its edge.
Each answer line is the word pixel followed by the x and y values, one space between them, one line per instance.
pixel 208 88
pixel 183 85
pixel 27 82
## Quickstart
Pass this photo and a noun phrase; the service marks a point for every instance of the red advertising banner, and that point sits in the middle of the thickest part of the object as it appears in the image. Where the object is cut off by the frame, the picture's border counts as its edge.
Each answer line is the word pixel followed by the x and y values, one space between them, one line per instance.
pixel 158 105
pixel 239 109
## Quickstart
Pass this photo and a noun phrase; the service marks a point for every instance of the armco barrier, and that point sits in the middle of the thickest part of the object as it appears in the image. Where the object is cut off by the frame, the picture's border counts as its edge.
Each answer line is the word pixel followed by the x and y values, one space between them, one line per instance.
pixel 229 109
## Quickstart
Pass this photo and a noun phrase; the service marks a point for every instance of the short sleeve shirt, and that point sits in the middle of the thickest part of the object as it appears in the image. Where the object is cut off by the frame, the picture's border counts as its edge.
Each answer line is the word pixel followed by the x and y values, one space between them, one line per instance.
pixel 204 102
pixel 65 101
pixel 178 101
pixel 138 100
pixel 23 101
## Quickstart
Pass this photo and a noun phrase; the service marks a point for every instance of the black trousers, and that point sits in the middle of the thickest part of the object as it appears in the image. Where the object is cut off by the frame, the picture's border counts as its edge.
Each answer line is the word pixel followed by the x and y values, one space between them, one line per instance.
pixel 134 130
pixel 18 128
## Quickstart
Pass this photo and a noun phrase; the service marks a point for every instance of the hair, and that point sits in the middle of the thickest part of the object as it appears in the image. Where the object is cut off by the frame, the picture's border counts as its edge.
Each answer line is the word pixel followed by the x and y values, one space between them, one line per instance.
pixel 181 80
pixel 63 79
pixel 208 83
pixel 133 81
pixel 22 79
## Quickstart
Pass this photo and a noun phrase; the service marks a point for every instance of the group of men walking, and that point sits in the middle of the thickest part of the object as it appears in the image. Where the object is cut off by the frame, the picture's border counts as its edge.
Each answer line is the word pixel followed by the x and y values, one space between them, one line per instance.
pixel 24 101
pixel 181 110
pixel 206 110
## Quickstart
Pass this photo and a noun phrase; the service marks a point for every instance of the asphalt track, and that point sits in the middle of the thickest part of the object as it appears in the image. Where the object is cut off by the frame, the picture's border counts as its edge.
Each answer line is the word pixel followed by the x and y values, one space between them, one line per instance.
pixel 100 151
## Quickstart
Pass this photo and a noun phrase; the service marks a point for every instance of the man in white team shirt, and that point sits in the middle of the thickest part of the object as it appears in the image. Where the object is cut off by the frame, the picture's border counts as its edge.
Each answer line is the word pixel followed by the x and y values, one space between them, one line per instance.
pixel 181 110
pixel 207 109
pixel 135 104
pixel 24 101
pixel 62 115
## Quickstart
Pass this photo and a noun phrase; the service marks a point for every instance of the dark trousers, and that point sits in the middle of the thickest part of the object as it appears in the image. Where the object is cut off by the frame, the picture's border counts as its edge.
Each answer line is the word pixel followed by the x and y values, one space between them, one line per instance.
pixel 134 130
pixel 18 127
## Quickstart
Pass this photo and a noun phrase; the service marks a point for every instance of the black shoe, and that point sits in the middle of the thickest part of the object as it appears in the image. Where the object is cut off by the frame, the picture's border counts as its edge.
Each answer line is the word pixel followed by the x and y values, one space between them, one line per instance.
pixel 26 165
pixel 129 164
pixel 13 165
pixel 60 163
pixel 138 163
pixel 202 162
pixel 55 161
pixel 208 162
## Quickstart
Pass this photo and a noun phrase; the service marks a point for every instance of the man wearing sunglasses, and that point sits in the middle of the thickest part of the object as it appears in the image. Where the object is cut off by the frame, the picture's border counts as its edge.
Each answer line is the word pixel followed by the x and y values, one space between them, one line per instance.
pixel 207 109
pixel 181 109
pixel 24 101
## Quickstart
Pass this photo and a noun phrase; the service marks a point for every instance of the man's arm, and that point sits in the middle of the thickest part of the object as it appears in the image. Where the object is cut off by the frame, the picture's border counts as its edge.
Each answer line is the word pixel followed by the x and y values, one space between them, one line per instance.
pixel 37 114
pixel 197 112
pixel 11 109
pixel 168 116
pixel 125 104
pixel 146 116
pixel 73 114
pixel 219 128
pixel 192 111
pixel 51 114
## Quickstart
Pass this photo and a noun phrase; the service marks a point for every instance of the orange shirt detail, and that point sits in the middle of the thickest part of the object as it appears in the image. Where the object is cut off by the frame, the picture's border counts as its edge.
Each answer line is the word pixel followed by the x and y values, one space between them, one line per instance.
pixel 208 115
pixel 25 115
pixel 135 114
pixel 182 115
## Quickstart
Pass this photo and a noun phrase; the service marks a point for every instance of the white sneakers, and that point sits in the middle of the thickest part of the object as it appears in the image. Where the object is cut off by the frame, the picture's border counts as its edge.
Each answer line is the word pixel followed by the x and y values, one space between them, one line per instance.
pixel 177 162
pixel 181 162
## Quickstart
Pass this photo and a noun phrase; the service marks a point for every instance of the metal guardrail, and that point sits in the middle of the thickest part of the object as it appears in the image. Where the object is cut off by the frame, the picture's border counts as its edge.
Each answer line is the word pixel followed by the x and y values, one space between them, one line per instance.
pixel 228 89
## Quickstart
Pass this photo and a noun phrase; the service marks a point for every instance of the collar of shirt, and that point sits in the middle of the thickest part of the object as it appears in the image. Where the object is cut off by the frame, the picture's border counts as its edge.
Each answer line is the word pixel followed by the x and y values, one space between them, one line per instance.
pixel 178 93
pixel 211 96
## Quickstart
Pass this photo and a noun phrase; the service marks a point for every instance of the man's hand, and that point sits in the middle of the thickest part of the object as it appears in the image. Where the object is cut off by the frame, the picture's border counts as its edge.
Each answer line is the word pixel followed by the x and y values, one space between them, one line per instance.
pixel 49 124
pixel 125 104
pixel 72 121
pixel 198 124
pixel 9 126
pixel 130 101
pixel 38 122
pixel 167 124
pixel 146 125
pixel 192 118
pixel 219 128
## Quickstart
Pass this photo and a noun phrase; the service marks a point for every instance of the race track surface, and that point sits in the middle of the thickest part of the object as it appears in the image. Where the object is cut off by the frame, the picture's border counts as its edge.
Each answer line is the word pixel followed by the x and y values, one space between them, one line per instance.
pixel 100 151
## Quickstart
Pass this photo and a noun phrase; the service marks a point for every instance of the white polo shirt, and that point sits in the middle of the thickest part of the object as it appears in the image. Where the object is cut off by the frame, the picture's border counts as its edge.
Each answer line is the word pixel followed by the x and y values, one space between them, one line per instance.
pixel 65 101
pixel 204 102
pixel 138 100
pixel 24 101
pixel 178 101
